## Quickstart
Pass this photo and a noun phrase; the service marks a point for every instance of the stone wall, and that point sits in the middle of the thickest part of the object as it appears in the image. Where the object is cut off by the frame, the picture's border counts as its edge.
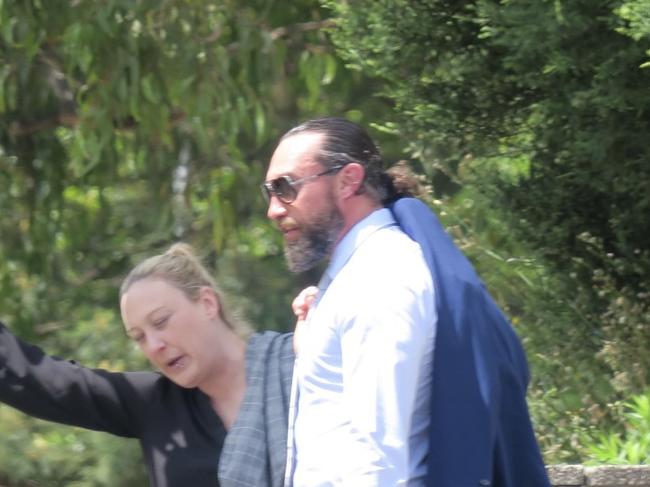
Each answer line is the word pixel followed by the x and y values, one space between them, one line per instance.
pixel 604 476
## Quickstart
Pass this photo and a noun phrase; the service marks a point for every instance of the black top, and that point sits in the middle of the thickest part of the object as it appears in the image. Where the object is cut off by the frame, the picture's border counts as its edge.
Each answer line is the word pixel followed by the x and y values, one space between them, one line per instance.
pixel 180 434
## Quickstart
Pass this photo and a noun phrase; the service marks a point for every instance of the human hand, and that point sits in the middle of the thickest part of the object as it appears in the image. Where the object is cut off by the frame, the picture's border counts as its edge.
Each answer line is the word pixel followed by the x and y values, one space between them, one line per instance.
pixel 301 303
pixel 300 306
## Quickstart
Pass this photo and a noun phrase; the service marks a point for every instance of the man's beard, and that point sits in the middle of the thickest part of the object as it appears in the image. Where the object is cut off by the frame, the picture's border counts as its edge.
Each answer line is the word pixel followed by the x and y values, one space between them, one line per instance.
pixel 316 241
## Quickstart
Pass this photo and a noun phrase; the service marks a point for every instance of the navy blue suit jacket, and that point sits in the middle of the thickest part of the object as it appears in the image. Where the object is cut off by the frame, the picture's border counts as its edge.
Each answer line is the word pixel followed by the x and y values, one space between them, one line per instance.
pixel 481 433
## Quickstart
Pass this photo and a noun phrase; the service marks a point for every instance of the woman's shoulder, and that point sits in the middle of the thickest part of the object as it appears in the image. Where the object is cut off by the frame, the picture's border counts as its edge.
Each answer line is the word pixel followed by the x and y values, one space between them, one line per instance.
pixel 269 342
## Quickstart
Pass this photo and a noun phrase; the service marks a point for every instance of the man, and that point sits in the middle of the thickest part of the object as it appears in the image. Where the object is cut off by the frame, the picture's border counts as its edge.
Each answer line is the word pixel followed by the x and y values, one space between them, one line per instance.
pixel 362 376
pixel 374 408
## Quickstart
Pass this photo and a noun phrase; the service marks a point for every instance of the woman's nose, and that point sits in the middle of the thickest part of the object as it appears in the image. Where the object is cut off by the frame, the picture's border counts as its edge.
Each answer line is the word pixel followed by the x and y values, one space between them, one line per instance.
pixel 155 342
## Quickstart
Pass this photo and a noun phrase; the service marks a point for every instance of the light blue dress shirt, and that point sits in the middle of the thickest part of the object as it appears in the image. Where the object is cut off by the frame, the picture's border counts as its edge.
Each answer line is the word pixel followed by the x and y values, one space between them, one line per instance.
pixel 362 375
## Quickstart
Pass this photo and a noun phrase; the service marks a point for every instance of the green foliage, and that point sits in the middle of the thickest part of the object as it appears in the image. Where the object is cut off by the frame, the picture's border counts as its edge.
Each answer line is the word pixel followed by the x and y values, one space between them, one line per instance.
pixel 632 444
pixel 539 131
pixel 567 385
pixel 478 78
pixel 636 14
pixel 125 126
pixel 587 344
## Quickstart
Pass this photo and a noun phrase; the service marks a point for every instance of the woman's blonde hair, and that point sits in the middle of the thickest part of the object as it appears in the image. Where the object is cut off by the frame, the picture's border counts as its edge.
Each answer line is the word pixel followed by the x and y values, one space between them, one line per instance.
pixel 181 268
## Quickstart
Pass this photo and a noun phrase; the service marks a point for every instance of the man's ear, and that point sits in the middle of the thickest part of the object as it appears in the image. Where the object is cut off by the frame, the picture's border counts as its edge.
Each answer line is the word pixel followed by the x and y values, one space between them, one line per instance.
pixel 351 179
pixel 210 301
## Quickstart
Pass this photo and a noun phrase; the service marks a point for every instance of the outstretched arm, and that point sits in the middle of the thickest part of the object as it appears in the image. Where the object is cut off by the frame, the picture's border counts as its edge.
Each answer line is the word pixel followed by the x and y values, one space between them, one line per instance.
pixel 65 392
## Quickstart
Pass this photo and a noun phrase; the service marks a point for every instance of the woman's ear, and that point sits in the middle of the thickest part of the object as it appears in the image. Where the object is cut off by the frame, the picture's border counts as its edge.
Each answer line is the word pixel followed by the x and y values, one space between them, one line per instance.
pixel 210 301
pixel 351 179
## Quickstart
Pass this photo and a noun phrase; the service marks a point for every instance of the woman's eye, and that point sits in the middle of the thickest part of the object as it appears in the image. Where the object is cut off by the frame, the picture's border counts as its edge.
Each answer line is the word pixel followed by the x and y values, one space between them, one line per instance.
pixel 160 322
pixel 137 338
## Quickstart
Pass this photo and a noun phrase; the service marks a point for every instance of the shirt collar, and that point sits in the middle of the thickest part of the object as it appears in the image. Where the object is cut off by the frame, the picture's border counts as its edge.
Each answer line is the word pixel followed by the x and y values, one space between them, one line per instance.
pixel 351 241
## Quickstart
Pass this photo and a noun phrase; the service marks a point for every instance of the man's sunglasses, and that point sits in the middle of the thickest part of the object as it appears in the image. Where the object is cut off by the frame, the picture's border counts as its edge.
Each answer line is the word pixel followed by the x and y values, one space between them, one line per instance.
pixel 286 189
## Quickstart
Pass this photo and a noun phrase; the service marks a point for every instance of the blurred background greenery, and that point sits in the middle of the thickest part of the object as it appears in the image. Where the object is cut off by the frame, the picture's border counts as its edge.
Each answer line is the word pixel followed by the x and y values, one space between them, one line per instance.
pixel 126 125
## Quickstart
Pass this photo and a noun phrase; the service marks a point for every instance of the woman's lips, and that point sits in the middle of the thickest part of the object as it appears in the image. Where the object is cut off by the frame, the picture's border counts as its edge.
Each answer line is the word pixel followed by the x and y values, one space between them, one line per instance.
pixel 176 363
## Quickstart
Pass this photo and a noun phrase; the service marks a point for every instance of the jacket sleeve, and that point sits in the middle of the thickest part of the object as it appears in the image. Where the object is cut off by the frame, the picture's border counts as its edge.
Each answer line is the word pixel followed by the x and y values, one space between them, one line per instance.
pixel 64 392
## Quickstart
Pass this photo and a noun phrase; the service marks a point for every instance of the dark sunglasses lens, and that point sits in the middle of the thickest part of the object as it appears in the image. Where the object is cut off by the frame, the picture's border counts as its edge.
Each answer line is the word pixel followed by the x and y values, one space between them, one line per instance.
pixel 280 187
pixel 283 189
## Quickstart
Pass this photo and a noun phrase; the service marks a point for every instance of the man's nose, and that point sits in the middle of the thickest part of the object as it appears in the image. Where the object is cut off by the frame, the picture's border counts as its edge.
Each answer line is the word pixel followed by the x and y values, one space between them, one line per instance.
pixel 276 208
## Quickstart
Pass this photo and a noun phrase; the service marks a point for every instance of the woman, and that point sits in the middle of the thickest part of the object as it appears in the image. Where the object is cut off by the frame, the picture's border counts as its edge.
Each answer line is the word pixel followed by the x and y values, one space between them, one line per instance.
pixel 215 414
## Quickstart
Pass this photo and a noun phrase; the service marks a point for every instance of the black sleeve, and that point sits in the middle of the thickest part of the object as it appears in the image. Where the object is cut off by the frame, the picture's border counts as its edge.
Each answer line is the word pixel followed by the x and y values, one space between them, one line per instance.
pixel 62 391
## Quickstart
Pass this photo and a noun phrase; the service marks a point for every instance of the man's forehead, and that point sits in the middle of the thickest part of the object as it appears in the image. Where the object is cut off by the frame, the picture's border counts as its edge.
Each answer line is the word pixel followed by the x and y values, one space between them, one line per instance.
pixel 294 153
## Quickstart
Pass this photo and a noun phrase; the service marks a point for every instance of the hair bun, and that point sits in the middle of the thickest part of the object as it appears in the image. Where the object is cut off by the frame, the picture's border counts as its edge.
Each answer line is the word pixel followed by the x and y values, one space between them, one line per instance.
pixel 180 249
